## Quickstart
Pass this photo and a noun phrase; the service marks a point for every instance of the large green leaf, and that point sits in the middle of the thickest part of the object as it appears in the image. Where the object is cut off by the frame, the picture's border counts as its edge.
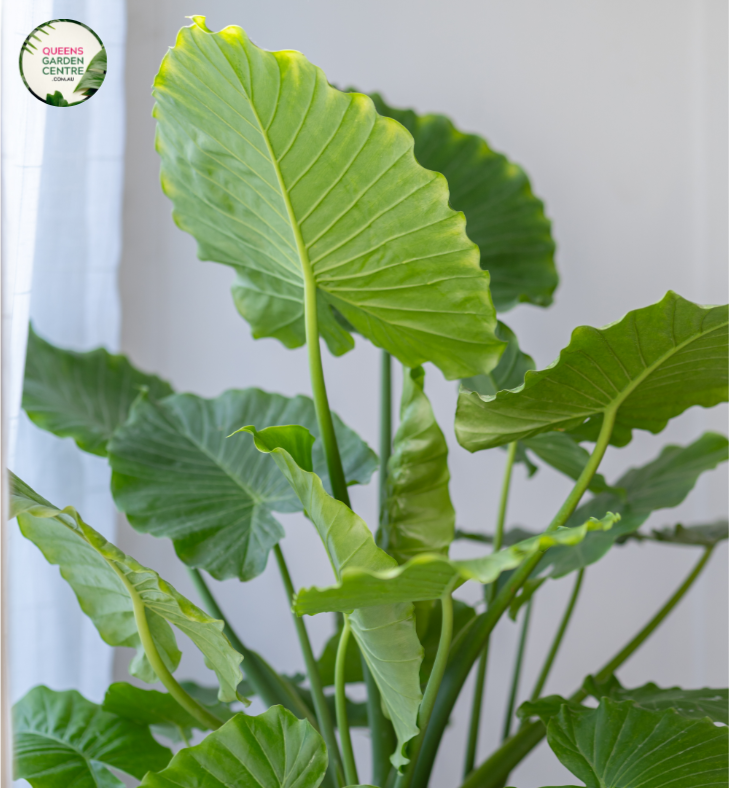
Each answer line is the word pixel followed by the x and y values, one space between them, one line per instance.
pixel 649 367
pixel 82 395
pixel 503 216
pixel 430 576
pixel 663 482
pixel 64 741
pixel 272 750
pixel 711 703
pixel 177 475
pixel 418 515
pixel 105 581
pixel 291 182
pixel 621 745
pixel 386 635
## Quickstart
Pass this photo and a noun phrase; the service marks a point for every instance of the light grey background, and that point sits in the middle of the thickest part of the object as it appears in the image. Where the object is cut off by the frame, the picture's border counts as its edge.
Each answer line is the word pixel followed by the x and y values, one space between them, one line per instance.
pixel 618 111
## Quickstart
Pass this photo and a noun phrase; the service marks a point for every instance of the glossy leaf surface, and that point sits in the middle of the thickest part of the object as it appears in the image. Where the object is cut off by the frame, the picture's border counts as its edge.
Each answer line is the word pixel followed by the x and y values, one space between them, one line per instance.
pixel 176 474
pixel 105 581
pixel 503 216
pixel 649 367
pixel 418 515
pixel 82 395
pixel 62 740
pixel 621 745
pixel 289 181
pixel 429 576
pixel 272 750
pixel 386 635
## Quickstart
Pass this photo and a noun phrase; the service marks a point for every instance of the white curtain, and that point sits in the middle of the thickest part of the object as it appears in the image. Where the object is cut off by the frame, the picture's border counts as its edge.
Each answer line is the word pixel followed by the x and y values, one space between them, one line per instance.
pixel 62 196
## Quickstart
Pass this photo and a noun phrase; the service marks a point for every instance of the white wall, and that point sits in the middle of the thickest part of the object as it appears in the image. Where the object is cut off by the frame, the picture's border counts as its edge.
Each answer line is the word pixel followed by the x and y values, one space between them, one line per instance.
pixel 618 111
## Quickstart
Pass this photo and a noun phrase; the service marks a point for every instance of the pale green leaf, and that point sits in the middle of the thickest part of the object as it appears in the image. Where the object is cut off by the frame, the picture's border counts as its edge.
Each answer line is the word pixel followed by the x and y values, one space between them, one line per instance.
pixel 177 475
pixel 61 740
pixel 418 515
pixel 430 576
pixel 103 579
pixel 621 745
pixel 82 395
pixel 272 750
pixel 94 75
pixel 503 217
pixel 386 635
pixel 287 180
pixel 649 367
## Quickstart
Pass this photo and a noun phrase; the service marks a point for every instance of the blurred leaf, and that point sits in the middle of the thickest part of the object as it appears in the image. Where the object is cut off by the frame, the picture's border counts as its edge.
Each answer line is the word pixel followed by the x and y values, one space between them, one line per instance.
pixel 177 475
pixel 463 614
pixel 272 750
pixel 418 514
pixel 82 395
pixel 503 216
pixel 352 662
pixel 94 75
pixel 648 367
pixel 103 578
pixel 562 452
pixel 64 741
pixel 509 372
pixel 281 176
pixel 699 535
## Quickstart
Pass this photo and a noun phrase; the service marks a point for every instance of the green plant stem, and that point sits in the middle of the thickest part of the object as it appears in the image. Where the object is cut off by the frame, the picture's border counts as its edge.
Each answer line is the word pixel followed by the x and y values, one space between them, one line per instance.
pixel 312 668
pixel 480 684
pixel 340 700
pixel 267 683
pixel 460 665
pixel 549 661
pixel 385 421
pixel 517 673
pixel 497 766
pixel 382 735
pixel 431 689
pixel 202 715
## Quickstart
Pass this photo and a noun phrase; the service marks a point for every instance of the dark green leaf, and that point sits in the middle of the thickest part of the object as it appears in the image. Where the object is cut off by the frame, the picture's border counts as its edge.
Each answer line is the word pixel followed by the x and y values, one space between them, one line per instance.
pixel 177 475
pixel 386 635
pixel 82 395
pixel 103 578
pixel 503 216
pixel 94 75
pixel 463 614
pixel 711 703
pixel 563 453
pixel 273 750
pixel 289 181
pixel 699 535
pixel 509 372
pixel 621 745
pixel 352 662
pixel 649 367
pixel 64 741
pixel 56 99
pixel 418 515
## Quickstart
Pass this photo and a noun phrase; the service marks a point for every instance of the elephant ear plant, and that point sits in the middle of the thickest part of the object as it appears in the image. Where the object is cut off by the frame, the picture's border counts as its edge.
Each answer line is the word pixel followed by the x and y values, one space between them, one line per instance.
pixel 343 218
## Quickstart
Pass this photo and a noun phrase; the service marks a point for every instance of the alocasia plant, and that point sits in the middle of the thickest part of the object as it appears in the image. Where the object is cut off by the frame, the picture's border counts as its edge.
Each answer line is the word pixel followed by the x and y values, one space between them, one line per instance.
pixel 343 216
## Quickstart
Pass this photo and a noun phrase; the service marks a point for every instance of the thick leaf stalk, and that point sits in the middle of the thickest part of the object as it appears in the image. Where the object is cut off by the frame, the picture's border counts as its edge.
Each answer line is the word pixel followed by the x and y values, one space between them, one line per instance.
pixel 350 768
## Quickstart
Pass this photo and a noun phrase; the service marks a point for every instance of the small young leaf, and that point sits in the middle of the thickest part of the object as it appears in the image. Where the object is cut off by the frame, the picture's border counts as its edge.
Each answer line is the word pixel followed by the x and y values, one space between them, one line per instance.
pixel 418 515
pixel 386 635
pixel 286 179
pixel 509 372
pixel 503 217
pixel 272 750
pixel 699 535
pixel 103 579
pixel 64 741
pixel 177 475
pixel 649 367
pixel 622 745
pixel 430 576
pixel 82 395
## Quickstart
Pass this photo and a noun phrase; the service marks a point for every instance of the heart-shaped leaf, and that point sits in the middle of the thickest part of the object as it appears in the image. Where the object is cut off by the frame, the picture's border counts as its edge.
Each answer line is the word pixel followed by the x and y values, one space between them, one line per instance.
pixel 430 576
pixel 418 515
pixel 272 750
pixel 711 703
pixel 303 188
pixel 64 741
pixel 386 635
pixel 503 217
pixel 647 368
pixel 82 395
pixel 177 475
pixel 104 578
pixel 621 745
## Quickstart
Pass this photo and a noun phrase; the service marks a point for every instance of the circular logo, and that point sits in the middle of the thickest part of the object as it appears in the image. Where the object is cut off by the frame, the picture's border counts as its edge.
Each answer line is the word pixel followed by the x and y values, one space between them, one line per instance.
pixel 63 62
